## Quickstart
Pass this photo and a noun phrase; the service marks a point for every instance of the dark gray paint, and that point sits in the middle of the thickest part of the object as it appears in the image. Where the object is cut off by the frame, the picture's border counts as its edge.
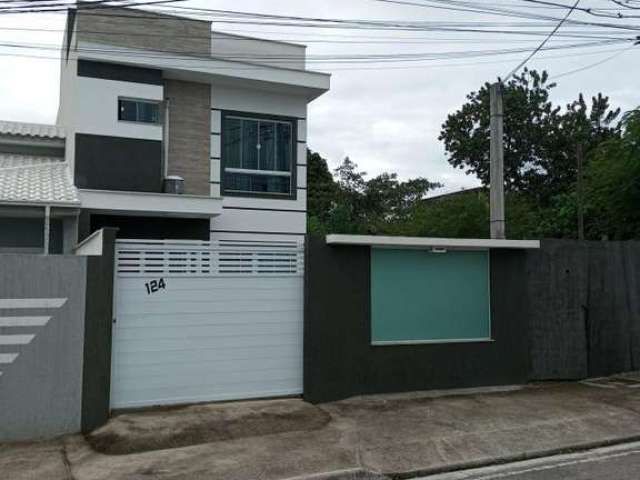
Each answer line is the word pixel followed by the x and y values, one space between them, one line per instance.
pixel 557 287
pixel 96 374
pixel 339 360
pixel 158 228
pixel 585 308
pixel 45 149
pixel 40 392
pixel 117 163
pixel 28 233
pixel 70 25
pixel 119 72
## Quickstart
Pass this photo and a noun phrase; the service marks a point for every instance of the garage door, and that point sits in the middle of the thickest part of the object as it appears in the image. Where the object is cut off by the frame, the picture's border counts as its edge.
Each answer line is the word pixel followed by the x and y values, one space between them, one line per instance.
pixel 201 322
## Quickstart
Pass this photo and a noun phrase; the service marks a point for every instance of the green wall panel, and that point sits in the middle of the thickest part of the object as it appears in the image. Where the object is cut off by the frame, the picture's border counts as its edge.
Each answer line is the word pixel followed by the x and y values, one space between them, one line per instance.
pixel 417 295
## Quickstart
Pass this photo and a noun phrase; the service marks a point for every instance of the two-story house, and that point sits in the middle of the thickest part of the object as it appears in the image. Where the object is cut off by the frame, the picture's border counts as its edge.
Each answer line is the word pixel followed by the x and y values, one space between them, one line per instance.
pixel 193 144
pixel 146 97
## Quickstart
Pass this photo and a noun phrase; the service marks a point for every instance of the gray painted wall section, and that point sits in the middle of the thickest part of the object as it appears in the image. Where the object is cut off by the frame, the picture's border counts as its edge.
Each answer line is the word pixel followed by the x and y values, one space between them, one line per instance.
pixel 97 335
pixel 41 390
pixel 585 309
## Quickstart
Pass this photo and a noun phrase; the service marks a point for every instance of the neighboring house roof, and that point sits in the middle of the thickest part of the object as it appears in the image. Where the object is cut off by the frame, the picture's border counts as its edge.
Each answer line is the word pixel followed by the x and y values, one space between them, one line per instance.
pixel 455 193
pixel 36 179
pixel 37 130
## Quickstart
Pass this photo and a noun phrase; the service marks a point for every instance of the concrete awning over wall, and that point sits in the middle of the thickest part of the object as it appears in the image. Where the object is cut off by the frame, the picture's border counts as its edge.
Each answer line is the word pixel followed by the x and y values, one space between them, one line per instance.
pixel 150 204
pixel 429 243
pixel 214 70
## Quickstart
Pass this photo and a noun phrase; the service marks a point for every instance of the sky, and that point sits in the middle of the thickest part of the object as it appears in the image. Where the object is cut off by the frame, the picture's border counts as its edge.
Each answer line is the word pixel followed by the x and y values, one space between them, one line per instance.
pixel 385 116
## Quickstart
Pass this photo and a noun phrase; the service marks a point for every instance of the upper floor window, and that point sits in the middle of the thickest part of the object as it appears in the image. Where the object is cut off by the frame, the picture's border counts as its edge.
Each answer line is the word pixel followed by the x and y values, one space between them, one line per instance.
pixel 257 155
pixel 143 111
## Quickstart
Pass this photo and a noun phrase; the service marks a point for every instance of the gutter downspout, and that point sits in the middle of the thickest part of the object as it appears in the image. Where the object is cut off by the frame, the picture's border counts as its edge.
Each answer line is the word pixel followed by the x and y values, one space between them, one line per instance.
pixel 165 140
pixel 47 228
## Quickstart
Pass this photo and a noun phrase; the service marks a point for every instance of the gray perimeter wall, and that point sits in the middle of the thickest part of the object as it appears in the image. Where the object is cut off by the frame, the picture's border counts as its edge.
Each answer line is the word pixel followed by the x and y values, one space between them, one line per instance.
pixel 41 390
pixel 570 310
pixel 585 309
pixel 60 380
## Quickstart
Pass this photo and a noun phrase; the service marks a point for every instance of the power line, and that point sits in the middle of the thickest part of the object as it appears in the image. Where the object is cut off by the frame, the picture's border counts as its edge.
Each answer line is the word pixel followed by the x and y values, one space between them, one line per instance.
pixel 544 42
pixel 351 38
pixel 391 57
pixel 431 64
pixel 236 17
pixel 592 65
pixel 95 5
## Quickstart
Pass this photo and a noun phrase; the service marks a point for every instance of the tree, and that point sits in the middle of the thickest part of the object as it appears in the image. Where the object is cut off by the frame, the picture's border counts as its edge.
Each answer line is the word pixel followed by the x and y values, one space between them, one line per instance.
pixel 540 139
pixel 321 191
pixel 464 215
pixel 612 184
pixel 389 202
pixel 350 203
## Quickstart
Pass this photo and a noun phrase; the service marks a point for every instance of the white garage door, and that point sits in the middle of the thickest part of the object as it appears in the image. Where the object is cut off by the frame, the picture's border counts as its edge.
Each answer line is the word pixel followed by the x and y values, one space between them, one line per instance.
pixel 201 322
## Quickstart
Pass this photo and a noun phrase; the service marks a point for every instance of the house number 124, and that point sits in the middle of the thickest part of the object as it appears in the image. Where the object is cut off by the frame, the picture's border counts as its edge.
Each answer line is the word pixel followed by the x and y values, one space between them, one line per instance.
pixel 154 285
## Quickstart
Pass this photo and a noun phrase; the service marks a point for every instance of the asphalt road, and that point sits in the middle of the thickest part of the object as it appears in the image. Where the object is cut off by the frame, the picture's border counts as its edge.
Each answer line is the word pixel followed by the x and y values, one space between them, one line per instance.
pixel 621 462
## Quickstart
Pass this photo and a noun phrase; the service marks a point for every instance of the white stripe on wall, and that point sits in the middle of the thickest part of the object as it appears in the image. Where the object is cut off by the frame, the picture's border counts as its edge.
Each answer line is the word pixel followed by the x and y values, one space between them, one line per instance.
pixel 15 339
pixel 23 321
pixel 32 302
pixel 8 357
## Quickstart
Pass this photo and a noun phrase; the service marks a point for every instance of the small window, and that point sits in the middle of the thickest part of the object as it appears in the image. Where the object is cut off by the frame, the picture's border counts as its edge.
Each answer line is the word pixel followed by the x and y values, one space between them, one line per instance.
pixel 143 111
pixel 257 155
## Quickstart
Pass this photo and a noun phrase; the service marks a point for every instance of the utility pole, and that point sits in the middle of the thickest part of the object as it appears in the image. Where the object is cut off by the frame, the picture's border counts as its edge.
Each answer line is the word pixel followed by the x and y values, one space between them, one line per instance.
pixel 579 188
pixel 496 167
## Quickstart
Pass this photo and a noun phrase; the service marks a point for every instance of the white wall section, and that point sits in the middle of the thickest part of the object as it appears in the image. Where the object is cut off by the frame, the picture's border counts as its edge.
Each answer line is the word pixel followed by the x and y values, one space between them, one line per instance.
pixel 261 221
pixel 253 214
pixel 96 110
pixel 258 50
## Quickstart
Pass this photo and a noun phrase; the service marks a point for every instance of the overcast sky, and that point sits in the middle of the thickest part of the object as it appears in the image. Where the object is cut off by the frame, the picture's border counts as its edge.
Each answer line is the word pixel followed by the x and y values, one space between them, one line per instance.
pixel 385 118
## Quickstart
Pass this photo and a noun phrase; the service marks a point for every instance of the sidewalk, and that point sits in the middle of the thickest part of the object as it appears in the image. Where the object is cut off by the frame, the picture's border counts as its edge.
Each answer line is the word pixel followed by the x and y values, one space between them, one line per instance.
pixel 398 436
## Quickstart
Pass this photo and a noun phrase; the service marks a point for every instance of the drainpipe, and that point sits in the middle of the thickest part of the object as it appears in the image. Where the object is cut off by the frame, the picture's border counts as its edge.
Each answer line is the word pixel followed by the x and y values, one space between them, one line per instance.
pixel 47 228
pixel 165 140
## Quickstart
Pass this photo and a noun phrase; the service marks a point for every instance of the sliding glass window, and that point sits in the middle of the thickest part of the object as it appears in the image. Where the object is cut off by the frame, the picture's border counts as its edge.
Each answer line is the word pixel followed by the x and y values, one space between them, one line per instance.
pixel 257 155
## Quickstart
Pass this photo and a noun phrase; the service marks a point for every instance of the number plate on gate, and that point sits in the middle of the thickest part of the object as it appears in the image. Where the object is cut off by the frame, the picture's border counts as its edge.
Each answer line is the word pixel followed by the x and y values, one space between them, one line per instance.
pixel 155 285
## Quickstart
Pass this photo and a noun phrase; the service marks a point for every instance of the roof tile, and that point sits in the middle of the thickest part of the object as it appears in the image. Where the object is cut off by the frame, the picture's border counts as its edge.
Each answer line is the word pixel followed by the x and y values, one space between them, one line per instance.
pixel 35 179
pixel 31 129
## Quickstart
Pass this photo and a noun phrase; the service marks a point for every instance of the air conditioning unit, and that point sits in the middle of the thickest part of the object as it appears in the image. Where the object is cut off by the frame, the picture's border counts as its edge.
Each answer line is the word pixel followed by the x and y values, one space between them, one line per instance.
pixel 173 184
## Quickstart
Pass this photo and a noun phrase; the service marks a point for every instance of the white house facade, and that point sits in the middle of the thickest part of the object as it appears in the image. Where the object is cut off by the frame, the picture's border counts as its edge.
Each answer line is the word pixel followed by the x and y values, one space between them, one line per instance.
pixel 226 114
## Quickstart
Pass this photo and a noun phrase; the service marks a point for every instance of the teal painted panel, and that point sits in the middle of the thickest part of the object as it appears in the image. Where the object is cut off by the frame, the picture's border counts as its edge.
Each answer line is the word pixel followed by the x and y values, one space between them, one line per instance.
pixel 417 295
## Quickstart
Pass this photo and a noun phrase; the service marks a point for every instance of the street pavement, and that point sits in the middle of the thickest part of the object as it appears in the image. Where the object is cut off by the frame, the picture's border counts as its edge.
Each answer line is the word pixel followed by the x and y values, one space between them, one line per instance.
pixel 378 436
pixel 621 462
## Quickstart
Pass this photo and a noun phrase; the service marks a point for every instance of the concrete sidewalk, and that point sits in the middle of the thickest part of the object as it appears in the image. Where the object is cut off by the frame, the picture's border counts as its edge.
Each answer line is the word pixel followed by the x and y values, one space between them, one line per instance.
pixel 398 436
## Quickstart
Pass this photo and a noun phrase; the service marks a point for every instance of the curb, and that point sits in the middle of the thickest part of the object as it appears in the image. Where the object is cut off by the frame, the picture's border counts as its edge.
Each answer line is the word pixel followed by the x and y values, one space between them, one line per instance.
pixel 513 458
pixel 349 474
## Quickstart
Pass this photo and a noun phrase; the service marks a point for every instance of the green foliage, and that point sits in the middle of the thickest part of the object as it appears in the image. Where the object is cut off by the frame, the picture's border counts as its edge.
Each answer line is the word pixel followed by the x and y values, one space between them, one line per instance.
pixel 351 203
pixel 612 184
pixel 321 192
pixel 463 215
pixel 540 138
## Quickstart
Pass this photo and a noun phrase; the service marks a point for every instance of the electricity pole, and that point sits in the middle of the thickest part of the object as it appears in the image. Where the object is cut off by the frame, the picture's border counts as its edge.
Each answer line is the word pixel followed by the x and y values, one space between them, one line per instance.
pixel 496 155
